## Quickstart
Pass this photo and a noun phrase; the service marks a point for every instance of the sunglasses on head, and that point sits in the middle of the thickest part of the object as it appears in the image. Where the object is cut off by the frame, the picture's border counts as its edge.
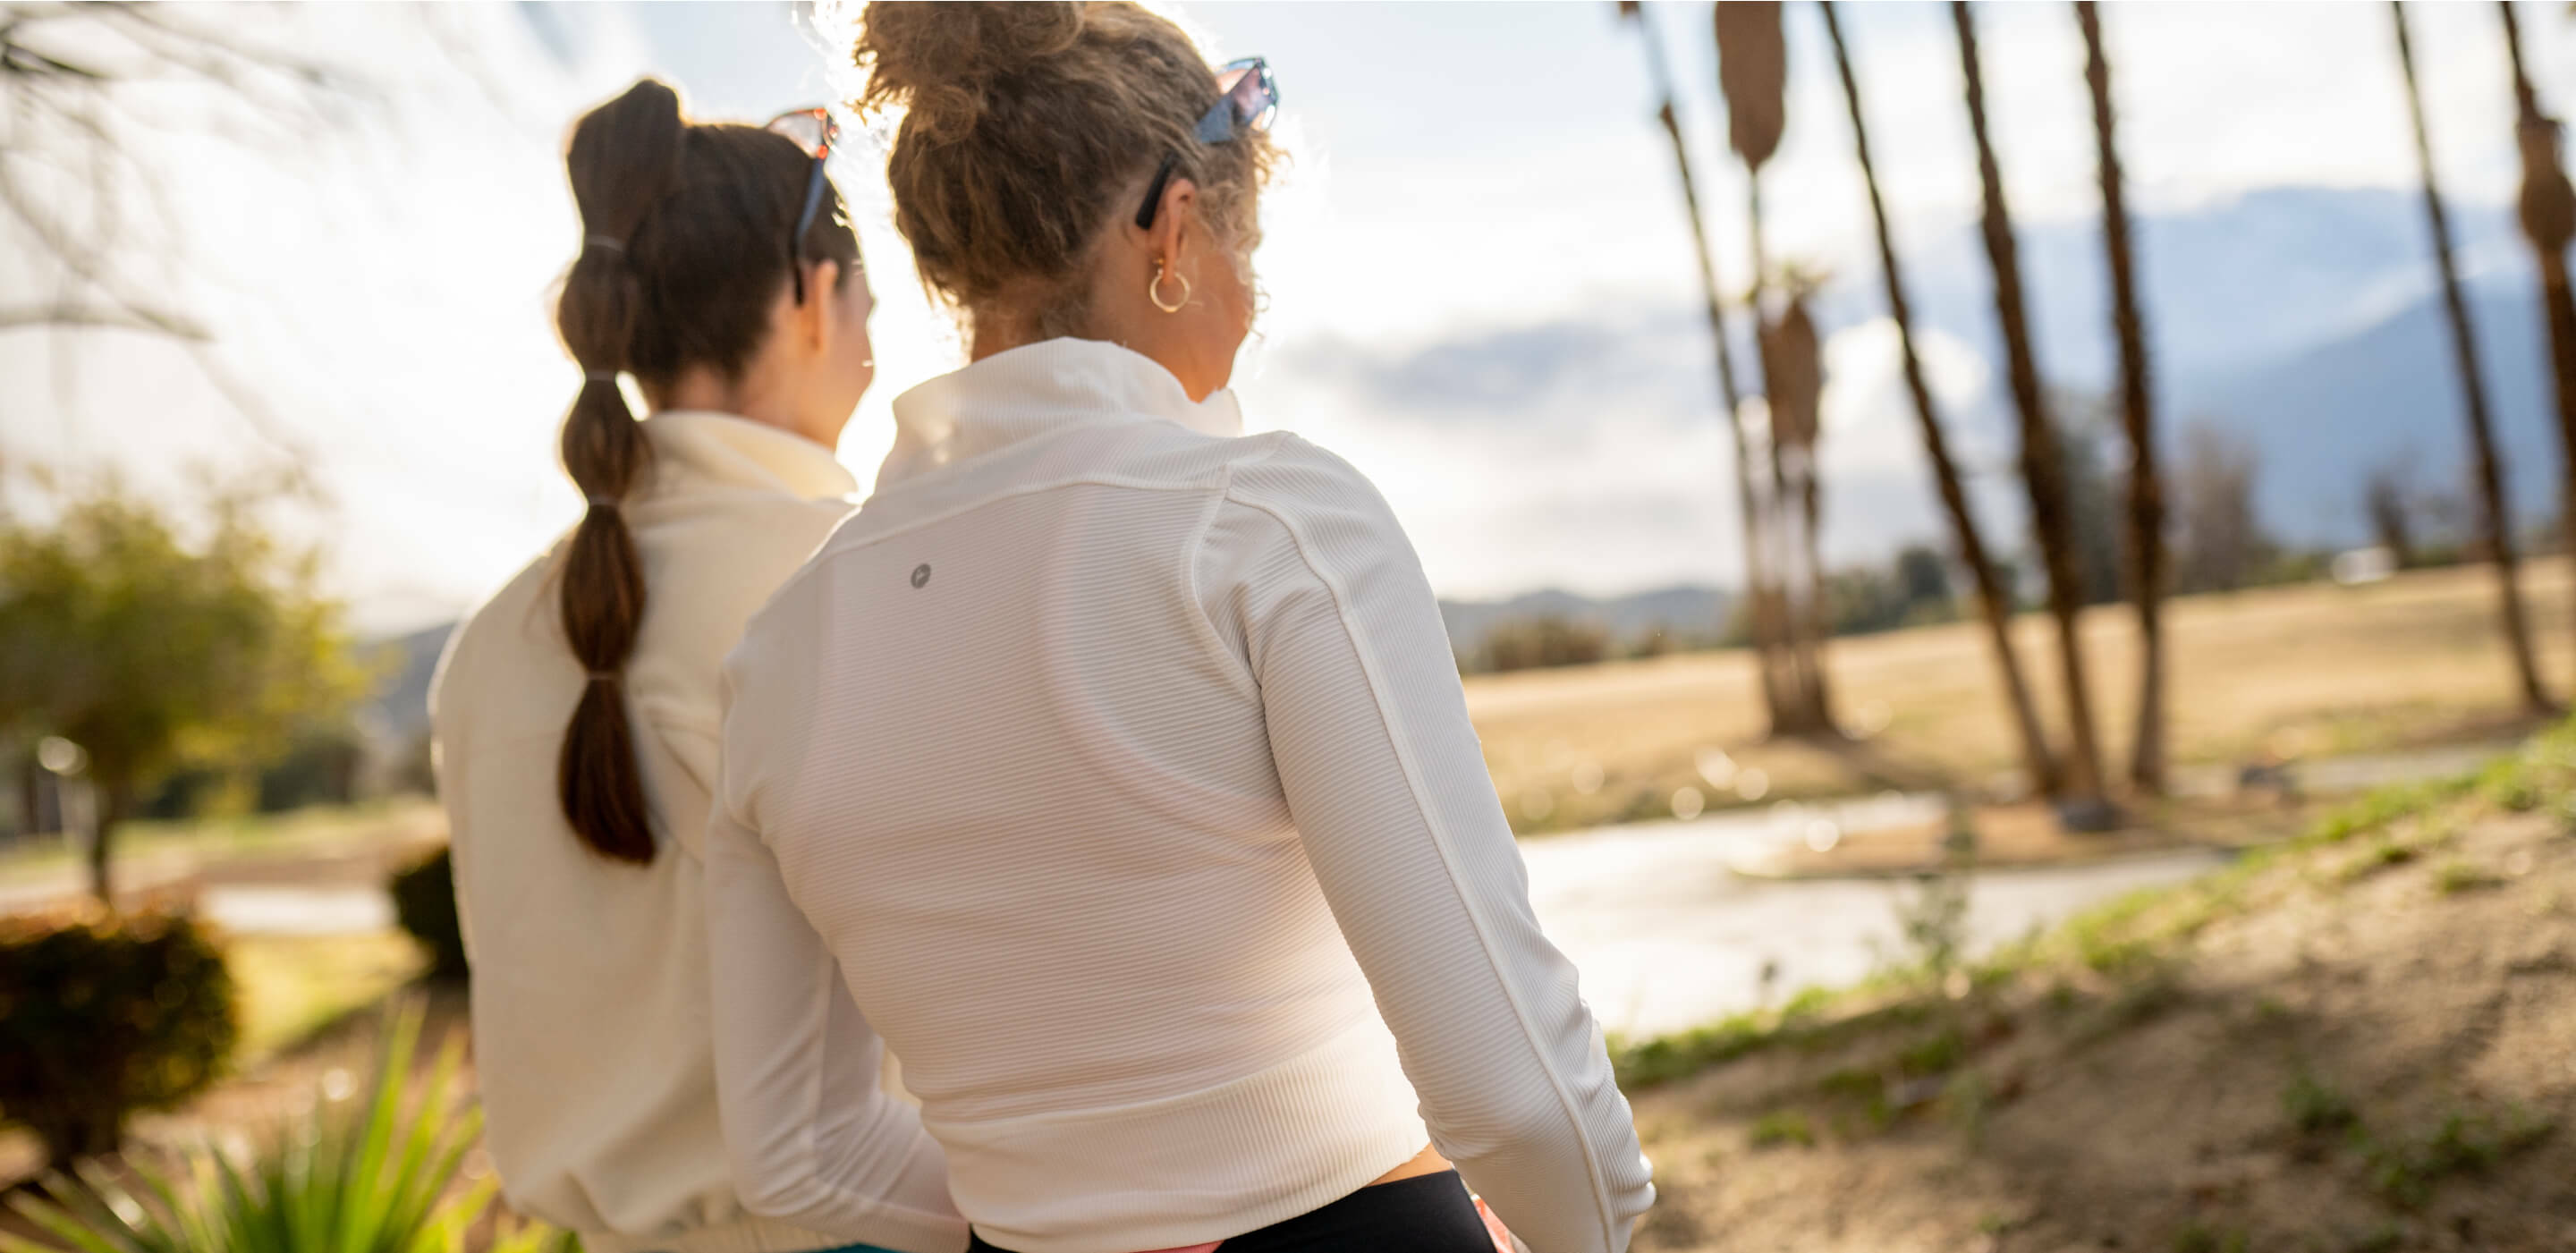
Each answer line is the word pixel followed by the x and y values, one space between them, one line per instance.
pixel 1247 99
pixel 814 131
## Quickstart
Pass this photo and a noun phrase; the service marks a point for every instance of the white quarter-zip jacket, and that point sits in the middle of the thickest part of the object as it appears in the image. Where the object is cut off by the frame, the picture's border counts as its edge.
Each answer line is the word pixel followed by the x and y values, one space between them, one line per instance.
pixel 1114 767
pixel 592 1046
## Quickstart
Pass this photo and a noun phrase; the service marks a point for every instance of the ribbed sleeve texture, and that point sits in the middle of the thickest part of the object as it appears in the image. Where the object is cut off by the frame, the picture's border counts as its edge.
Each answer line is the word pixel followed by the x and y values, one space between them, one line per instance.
pixel 1119 771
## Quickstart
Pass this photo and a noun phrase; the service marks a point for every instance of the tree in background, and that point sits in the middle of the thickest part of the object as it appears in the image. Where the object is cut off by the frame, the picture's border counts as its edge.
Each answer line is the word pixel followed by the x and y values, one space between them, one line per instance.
pixel 2088 437
pixel 2387 501
pixel 155 645
pixel 1995 599
pixel 2548 211
pixel 2146 510
pixel 1753 76
pixel 1793 375
pixel 2219 541
pixel 1544 640
pixel 85 205
pixel 2495 523
pixel 1757 578
pixel 2043 467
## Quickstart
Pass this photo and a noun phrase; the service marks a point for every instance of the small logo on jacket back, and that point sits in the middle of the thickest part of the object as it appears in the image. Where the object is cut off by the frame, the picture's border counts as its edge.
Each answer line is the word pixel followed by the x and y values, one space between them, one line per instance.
pixel 921 574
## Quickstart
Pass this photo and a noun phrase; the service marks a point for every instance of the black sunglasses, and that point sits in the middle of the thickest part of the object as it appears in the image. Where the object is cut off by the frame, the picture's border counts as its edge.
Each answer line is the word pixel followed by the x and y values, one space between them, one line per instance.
pixel 1247 98
pixel 814 131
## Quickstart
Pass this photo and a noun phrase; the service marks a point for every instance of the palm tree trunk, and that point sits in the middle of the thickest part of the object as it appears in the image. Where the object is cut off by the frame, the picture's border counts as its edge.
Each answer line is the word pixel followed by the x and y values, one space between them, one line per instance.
pixel 1752 74
pixel 2549 221
pixel 2043 466
pixel 1993 597
pixel 1797 714
pixel 1756 569
pixel 2496 516
pixel 1811 500
pixel 2146 487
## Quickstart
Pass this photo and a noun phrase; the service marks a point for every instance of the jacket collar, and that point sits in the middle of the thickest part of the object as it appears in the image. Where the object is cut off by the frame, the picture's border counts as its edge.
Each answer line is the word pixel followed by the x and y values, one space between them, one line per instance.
pixel 738 452
pixel 1036 388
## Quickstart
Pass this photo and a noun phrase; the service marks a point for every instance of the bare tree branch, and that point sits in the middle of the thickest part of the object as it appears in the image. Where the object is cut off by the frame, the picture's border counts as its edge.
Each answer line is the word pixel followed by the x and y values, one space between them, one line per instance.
pixel 72 314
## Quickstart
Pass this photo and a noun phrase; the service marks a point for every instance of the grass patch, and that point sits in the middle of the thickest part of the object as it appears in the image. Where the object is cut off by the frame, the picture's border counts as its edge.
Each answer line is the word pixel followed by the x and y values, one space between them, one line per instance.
pixel 2196 1238
pixel 2455 876
pixel 292 986
pixel 1782 1127
pixel 2405 1172
pixel 2315 1107
pixel 1935 1055
pixel 293 833
pixel 2387 854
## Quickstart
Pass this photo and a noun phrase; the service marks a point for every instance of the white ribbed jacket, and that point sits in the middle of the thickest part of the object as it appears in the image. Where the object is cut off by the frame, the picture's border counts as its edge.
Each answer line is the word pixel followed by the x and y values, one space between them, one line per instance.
pixel 1116 765
pixel 591 1042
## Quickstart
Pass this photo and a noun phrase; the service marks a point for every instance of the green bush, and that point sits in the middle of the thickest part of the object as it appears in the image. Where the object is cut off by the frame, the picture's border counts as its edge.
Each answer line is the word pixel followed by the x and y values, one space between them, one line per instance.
pixel 425 904
pixel 102 1015
pixel 344 1177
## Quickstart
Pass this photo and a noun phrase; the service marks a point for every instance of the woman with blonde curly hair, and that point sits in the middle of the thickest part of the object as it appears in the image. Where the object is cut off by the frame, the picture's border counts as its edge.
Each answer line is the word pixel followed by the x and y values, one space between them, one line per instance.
pixel 1111 763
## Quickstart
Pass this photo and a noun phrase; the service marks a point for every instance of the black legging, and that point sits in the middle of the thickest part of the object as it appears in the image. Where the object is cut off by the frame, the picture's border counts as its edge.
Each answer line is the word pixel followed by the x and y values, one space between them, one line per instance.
pixel 1424 1214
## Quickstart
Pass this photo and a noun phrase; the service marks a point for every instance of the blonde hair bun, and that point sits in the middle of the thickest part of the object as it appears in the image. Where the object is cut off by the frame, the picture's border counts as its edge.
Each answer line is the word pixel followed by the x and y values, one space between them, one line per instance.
pixel 938 60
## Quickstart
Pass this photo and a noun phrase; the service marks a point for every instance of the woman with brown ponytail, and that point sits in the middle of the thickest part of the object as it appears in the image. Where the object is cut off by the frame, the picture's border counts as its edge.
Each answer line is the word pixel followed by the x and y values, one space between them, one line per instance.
pixel 1112 763
pixel 576 712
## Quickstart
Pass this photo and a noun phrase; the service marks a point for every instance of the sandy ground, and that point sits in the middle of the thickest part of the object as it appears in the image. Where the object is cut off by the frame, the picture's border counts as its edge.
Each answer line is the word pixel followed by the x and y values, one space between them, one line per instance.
pixel 2379 1054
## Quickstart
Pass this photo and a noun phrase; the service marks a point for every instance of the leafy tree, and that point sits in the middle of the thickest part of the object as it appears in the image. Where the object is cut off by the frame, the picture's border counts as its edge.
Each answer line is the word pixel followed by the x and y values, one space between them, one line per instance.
pixel 157 645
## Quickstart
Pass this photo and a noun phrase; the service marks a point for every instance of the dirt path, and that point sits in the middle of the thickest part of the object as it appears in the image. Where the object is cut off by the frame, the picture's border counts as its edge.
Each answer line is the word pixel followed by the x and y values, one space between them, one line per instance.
pixel 2371 1047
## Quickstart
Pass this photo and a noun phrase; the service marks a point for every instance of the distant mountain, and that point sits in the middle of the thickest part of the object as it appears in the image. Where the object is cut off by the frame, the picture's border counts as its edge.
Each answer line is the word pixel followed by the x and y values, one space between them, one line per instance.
pixel 1684 611
pixel 2305 320
pixel 2229 286
pixel 2386 395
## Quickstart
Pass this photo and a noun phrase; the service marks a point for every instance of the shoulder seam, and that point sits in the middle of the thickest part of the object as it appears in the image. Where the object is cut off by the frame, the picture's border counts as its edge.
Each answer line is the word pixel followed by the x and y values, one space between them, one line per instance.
pixel 1235 668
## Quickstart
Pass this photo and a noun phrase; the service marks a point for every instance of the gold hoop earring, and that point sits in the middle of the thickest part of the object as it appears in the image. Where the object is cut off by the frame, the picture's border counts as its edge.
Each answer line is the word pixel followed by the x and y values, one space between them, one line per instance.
pixel 1154 290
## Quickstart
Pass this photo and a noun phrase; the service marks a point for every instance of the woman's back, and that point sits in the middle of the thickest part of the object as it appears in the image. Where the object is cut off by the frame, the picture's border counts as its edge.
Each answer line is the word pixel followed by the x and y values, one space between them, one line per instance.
pixel 576 713
pixel 1098 756
pixel 590 978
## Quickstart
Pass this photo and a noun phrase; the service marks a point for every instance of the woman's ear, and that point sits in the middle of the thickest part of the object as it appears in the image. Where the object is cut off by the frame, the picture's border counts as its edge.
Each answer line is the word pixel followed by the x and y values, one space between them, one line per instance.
pixel 1171 220
pixel 820 315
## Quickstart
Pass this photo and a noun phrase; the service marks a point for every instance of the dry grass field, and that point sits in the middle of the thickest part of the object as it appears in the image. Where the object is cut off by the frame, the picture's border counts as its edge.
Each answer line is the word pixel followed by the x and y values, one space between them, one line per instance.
pixel 2304 671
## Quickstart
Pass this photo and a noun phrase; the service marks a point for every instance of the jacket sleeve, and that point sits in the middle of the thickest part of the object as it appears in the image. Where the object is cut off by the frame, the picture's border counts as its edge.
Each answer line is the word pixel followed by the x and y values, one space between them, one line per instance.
pixel 813 1136
pixel 1388 787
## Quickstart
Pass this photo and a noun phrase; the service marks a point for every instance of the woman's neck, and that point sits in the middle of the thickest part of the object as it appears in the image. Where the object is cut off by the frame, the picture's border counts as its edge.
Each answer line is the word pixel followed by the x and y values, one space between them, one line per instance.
pixel 706 391
pixel 995 335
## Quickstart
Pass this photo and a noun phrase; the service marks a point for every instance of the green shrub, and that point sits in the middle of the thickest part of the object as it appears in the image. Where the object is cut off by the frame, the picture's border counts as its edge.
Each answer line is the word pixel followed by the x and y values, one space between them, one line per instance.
pixel 425 904
pixel 102 1015
pixel 377 1177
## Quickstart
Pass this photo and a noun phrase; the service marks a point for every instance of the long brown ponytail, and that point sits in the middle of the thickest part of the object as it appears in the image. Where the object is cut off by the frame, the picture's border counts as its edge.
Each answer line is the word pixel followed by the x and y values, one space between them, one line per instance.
pixel 684 252
pixel 625 156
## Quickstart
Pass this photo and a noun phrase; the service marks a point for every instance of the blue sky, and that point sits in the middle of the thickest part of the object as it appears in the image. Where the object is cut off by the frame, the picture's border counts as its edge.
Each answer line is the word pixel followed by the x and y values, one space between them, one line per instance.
pixel 1479 278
